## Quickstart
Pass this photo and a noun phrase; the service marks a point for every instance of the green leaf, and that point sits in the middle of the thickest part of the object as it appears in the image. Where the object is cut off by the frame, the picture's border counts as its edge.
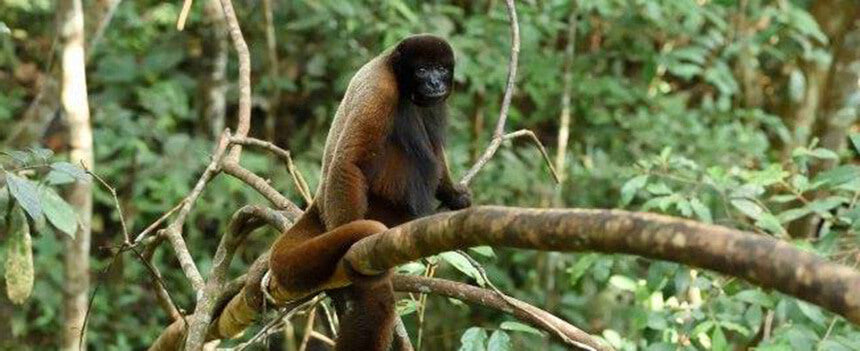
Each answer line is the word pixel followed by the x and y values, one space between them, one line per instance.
pixel 623 282
pixel 755 297
pixel 55 177
pixel 500 341
pixel 702 211
pixel 769 223
pixel 473 339
pixel 718 340
pixel 827 204
pixel 462 264
pixel 824 154
pixel 406 306
pixel 27 194
pixel 485 251
pixel 855 140
pixel 74 171
pixel 839 175
pixel 793 214
pixel 19 258
pixel 59 212
pixel 659 189
pixel 684 207
pixel 613 338
pixel 812 312
pixel 21 158
pixel 771 175
pixel 735 327
pixel 519 327
pixel 703 327
pixel 749 208
pixel 411 268
pixel 580 267
pixel 629 189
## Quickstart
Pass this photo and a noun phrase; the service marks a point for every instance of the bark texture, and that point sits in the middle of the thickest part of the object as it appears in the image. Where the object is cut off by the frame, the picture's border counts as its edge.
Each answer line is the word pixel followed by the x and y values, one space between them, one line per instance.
pixel 76 109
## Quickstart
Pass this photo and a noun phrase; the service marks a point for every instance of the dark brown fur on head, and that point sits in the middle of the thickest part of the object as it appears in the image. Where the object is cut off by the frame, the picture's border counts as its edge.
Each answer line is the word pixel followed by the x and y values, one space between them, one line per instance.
pixel 423 51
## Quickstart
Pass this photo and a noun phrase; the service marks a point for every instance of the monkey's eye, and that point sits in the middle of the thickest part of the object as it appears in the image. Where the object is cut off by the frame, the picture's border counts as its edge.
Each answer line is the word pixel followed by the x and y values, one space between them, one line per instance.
pixel 421 72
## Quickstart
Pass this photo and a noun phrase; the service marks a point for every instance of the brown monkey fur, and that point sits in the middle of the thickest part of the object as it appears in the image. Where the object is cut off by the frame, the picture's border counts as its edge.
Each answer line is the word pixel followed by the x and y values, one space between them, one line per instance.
pixel 383 165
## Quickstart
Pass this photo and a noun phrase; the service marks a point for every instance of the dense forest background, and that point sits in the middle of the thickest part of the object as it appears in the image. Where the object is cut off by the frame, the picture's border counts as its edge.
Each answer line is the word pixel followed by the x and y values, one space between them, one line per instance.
pixel 736 112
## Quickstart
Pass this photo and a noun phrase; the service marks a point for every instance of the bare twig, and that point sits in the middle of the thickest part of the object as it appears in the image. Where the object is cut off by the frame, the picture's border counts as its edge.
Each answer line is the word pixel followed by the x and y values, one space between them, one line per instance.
pixel 506 99
pixel 531 135
pixel 173 232
pixel 100 30
pixel 243 223
pixel 557 327
pixel 261 185
pixel 521 307
pixel 162 293
pixel 139 238
pixel 275 324
pixel 321 337
pixel 183 15
pixel 244 56
pixel 564 123
pixel 284 155
pixel 309 327
pixel 401 336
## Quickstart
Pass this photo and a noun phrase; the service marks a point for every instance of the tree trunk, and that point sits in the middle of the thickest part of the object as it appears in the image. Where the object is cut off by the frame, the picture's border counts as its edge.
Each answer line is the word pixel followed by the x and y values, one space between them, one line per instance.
pixel 837 111
pixel 834 84
pixel 214 81
pixel 74 104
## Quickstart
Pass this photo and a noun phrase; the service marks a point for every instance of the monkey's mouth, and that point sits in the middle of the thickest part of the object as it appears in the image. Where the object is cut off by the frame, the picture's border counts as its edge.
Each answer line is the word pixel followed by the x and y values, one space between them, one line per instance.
pixel 429 98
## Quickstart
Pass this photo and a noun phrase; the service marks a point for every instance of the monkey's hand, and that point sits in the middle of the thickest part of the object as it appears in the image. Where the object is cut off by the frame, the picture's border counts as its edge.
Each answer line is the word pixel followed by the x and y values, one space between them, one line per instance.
pixel 455 197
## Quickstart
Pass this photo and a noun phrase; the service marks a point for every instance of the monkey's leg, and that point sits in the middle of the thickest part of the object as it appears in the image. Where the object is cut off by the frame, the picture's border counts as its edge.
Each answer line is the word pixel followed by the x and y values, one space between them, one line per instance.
pixel 312 265
pixel 367 321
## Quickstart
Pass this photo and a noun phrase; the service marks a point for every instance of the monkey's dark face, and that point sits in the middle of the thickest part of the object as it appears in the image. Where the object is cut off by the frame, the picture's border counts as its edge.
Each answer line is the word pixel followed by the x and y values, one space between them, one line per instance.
pixel 424 66
pixel 432 84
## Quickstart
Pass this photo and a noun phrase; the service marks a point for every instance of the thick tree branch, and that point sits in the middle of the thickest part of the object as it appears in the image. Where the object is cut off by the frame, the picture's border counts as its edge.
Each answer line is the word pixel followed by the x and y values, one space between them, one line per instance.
pixel 761 260
pixel 555 326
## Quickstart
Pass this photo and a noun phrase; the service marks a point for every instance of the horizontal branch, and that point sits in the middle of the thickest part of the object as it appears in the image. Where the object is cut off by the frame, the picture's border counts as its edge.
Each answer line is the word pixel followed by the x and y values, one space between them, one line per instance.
pixel 759 259
pixel 555 326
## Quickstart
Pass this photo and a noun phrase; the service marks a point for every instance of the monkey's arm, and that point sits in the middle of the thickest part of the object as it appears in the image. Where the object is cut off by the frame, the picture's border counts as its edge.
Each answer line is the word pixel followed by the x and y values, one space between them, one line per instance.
pixel 449 193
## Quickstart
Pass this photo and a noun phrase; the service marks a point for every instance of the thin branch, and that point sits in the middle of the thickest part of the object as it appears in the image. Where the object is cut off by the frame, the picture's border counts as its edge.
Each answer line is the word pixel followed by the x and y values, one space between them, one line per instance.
pixel 284 155
pixel 183 15
pixel 401 336
pixel 309 327
pixel 139 238
pixel 761 260
pixel 506 99
pixel 243 223
pixel 534 139
pixel 173 232
pixel 100 30
pixel 321 337
pixel 161 288
pixel 261 185
pixel 555 326
pixel 244 56
pixel 521 307
pixel 275 324
pixel 564 118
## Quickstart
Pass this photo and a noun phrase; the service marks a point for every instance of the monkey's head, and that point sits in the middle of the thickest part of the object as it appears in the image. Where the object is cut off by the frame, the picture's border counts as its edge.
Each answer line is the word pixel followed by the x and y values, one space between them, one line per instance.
pixel 424 67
